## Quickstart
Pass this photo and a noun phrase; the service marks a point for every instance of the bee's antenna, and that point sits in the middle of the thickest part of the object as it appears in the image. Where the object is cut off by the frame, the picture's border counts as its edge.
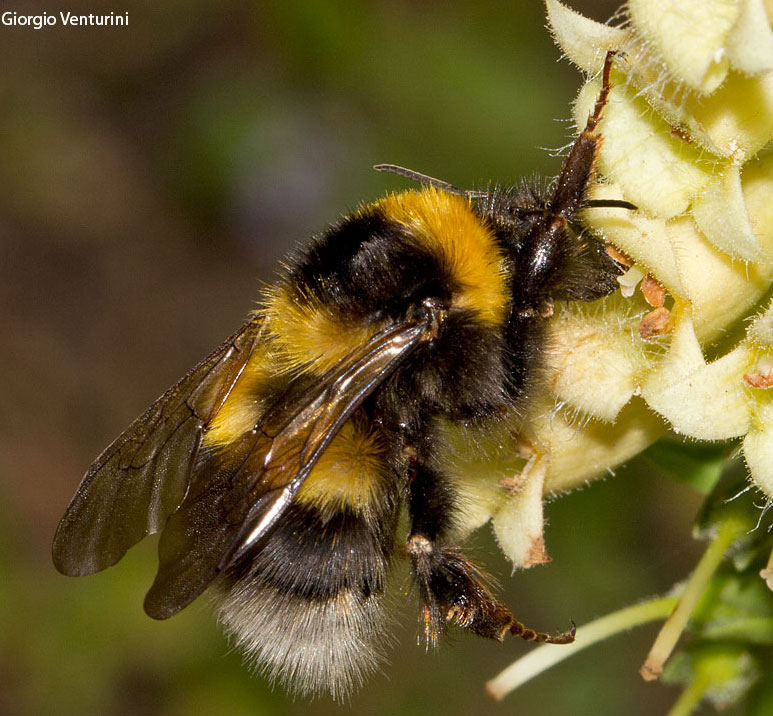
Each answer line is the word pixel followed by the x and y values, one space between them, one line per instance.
pixel 421 179
pixel 609 204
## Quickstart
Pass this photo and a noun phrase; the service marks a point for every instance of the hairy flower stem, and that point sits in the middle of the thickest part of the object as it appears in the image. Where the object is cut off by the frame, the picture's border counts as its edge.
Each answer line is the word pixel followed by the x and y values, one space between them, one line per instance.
pixel 543 657
pixel 675 624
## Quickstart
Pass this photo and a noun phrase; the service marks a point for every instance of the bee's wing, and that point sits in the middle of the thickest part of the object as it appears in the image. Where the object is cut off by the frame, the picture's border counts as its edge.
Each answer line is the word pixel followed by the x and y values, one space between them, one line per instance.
pixel 142 477
pixel 240 493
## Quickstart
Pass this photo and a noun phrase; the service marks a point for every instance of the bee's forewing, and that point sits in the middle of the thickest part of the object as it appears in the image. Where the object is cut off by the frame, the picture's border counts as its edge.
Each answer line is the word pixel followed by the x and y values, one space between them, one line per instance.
pixel 242 490
pixel 142 477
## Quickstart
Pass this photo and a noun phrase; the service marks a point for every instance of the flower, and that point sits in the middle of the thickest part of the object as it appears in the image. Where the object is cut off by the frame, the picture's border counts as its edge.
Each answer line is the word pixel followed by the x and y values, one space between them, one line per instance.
pixel 686 138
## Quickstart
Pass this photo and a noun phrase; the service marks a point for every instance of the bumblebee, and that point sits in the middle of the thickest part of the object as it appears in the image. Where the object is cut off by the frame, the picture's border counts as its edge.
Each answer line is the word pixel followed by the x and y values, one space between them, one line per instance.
pixel 277 469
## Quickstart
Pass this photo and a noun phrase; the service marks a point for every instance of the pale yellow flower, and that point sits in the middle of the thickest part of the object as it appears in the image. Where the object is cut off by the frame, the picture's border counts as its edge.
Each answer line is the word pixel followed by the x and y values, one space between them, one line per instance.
pixel 687 133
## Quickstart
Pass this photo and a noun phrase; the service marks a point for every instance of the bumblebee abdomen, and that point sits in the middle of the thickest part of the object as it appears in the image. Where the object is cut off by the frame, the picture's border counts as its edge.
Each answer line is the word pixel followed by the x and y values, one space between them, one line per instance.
pixel 307 604
pixel 352 475
pixel 309 647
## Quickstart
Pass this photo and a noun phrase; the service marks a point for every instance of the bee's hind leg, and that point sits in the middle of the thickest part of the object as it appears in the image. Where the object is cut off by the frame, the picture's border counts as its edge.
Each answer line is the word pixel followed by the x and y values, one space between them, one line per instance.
pixel 451 588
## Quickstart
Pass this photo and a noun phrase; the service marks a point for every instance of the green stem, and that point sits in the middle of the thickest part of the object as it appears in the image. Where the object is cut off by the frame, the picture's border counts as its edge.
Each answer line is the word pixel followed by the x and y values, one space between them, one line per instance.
pixel 675 624
pixel 689 698
pixel 547 655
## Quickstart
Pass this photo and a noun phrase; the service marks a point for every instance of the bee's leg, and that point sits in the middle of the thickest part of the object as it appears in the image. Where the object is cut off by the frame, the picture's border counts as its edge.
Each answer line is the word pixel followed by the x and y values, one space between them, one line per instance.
pixel 452 589
pixel 578 168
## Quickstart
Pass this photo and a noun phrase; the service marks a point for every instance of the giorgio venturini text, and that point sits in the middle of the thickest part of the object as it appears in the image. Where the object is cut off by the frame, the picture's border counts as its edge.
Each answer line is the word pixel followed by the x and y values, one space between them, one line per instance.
pixel 11 18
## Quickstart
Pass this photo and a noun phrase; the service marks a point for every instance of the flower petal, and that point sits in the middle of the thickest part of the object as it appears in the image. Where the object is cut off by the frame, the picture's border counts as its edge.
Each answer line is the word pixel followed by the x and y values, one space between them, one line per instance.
pixel 750 42
pixel 584 41
pixel 598 359
pixel 720 212
pixel 518 524
pixel 690 35
pixel 704 401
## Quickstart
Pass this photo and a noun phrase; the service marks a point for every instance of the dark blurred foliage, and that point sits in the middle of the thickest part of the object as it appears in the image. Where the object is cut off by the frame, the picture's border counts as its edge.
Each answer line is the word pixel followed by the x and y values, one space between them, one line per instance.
pixel 151 177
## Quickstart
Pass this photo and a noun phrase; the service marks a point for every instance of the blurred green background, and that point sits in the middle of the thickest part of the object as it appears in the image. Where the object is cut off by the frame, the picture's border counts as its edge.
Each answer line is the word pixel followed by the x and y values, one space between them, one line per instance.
pixel 151 178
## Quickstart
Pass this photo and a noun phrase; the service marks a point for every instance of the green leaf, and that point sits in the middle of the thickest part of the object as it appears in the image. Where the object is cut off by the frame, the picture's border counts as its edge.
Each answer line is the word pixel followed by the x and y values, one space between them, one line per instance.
pixel 736 606
pixel 761 701
pixel 735 499
pixel 722 672
pixel 696 464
